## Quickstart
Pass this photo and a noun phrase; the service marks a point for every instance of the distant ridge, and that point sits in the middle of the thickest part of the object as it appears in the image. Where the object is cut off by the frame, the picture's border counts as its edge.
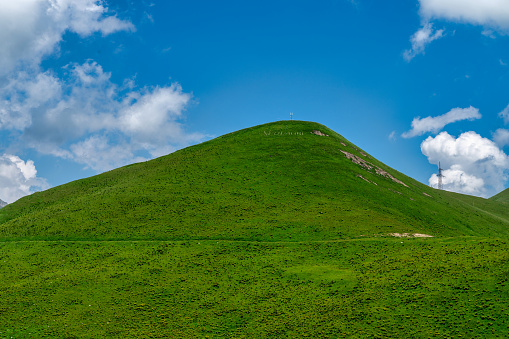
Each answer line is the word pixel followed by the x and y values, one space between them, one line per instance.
pixel 2 203
pixel 502 196
pixel 287 180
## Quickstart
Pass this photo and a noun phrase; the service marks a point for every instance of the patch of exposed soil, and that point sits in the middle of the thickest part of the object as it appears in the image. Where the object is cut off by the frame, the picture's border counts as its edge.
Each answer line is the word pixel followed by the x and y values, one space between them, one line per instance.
pixel 371 182
pixel 410 235
pixel 317 132
pixel 369 166
pixel 381 172
pixel 359 161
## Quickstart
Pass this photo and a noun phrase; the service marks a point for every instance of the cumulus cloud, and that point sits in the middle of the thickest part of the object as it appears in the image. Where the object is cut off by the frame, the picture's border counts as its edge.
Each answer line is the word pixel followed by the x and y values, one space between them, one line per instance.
pixel 457 180
pixel 79 114
pixel 87 118
pixel 501 137
pixel 436 124
pixel 492 15
pixel 18 178
pixel 487 13
pixel 151 115
pixel 98 153
pixel 36 104
pixel 473 165
pixel 32 29
pixel 423 37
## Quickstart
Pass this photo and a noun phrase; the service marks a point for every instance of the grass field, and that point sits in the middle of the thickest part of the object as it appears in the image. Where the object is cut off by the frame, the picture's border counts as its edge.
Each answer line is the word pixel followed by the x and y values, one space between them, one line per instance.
pixel 376 288
pixel 268 232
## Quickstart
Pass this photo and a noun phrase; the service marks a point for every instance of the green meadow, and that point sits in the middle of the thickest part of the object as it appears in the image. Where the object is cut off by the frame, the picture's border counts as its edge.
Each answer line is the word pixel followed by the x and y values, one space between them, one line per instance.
pixel 268 232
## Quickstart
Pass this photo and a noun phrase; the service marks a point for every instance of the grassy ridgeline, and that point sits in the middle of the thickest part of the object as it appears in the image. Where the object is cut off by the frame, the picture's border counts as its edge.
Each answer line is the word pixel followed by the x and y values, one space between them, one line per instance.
pixel 271 182
pixel 267 232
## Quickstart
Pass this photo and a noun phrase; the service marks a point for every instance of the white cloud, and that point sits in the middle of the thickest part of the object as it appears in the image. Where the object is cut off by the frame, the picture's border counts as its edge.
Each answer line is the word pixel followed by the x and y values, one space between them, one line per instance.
pixel 421 39
pixel 18 178
pixel 435 124
pixel 150 116
pixel 473 164
pixel 501 137
pixel 457 180
pixel 392 136
pixel 487 13
pixel 492 15
pixel 87 118
pixel 489 33
pixel 99 154
pixel 505 114
pixel 81 115
pixel 24 92
pixel 32 29
pixel 86 17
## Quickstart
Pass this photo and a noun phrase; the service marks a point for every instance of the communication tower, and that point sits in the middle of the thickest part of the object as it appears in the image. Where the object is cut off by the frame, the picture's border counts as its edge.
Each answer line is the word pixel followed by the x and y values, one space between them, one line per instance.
pixel 440 176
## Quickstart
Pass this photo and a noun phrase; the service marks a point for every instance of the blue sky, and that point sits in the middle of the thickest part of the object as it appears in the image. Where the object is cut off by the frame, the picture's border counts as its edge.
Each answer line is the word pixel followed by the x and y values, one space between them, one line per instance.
pixel 87 86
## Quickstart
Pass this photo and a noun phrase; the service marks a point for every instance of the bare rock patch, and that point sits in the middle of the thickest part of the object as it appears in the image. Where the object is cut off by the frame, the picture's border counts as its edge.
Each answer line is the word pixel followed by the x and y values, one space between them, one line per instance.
pixel 410 235
pixel 317 132
pixel 369 166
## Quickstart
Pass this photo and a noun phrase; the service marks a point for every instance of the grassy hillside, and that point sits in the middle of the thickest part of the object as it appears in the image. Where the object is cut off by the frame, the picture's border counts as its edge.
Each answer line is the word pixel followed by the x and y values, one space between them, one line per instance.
pixel 501 197
pixel 269 232
pixel 272 182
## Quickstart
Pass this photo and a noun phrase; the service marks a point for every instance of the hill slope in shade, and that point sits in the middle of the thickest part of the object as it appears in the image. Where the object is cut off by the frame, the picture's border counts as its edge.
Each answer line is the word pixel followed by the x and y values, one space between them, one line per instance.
pixel 288 180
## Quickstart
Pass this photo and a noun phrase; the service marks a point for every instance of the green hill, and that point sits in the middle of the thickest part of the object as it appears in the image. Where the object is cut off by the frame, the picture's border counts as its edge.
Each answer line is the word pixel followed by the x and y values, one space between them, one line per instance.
pixel 502 196
pixel 276 181
pixel 284 230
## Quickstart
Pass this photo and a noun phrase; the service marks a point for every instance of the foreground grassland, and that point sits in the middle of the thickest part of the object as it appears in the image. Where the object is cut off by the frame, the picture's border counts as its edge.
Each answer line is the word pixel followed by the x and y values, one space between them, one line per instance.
pixel 376 288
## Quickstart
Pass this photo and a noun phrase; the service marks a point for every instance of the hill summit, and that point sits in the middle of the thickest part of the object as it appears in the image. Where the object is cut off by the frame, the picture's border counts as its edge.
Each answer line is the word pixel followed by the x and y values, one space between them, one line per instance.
pixel 287 180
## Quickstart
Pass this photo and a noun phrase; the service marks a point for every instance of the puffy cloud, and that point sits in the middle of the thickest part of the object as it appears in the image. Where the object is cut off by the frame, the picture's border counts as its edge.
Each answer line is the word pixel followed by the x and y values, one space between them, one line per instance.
pixel 492 15
pixel 98 153
pixel 32 29
pixel 23 93
pixel 489 13
pixel 457 180
pixel 80 115
pixel 87 118
pixel 501 137
pixel 473 164
pixel 18 178
pixel 421 39
pixel 151 116
pixel 435 124
pixel 86 17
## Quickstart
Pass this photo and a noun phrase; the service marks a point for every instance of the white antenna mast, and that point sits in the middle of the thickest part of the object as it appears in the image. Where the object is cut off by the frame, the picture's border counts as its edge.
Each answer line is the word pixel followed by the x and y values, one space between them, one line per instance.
pixel 291 115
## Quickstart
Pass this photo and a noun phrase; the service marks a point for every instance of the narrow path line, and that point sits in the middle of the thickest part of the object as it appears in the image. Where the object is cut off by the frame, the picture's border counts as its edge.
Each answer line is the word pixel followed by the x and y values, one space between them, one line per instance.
pixel 244 241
